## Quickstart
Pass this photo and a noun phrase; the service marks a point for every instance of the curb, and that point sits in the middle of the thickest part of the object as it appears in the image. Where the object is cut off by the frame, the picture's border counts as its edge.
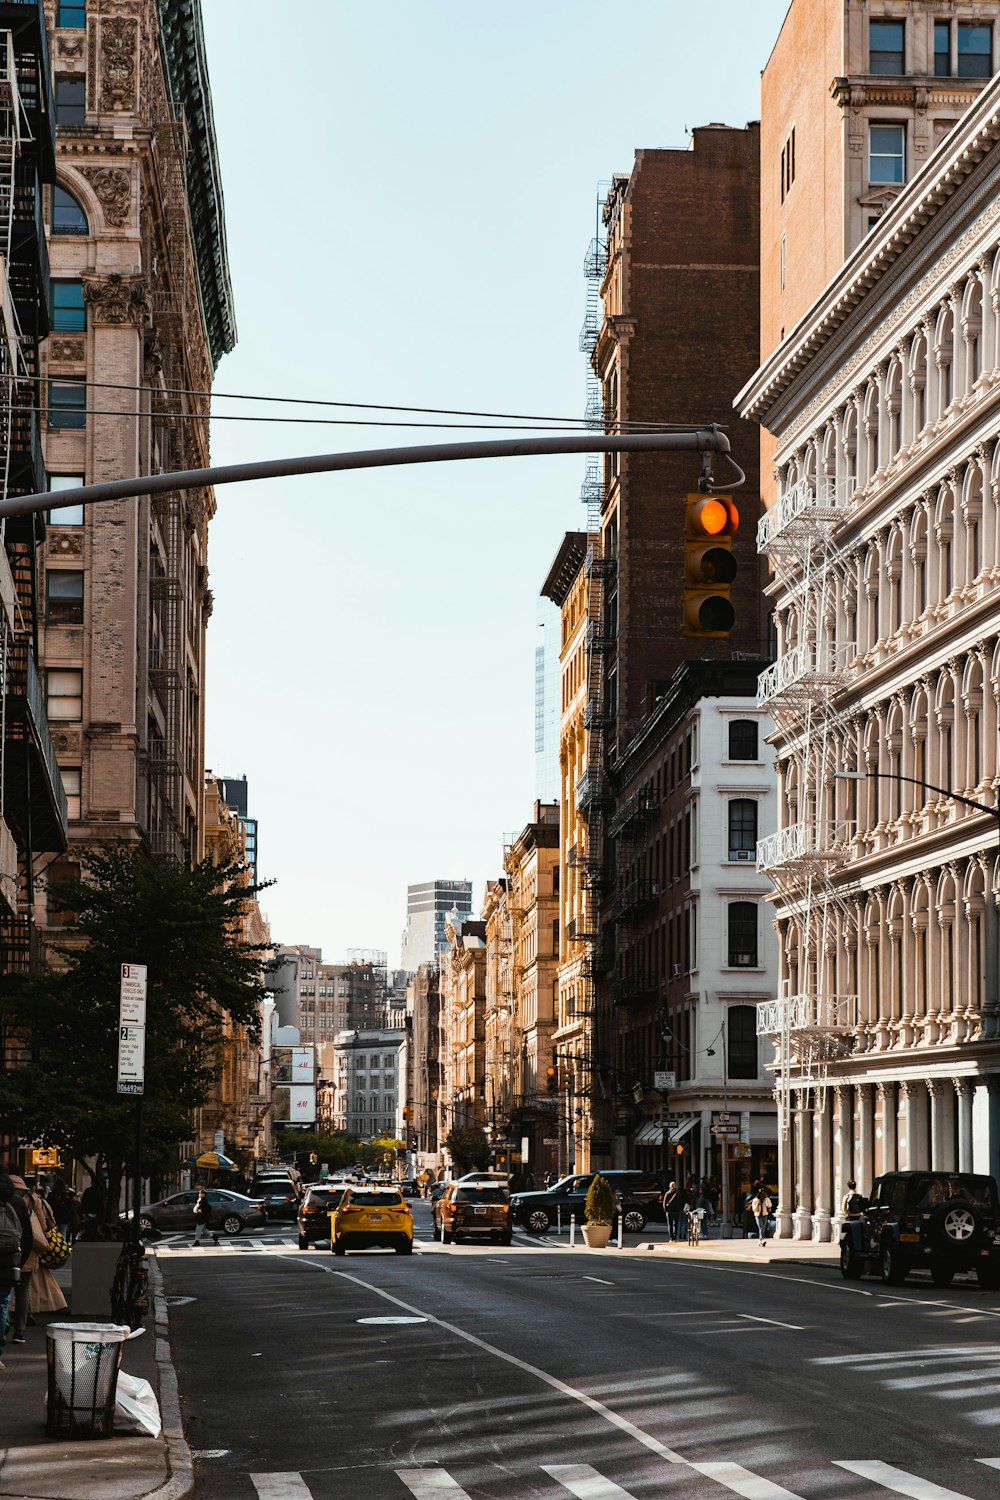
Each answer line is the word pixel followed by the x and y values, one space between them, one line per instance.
pixel 180 1464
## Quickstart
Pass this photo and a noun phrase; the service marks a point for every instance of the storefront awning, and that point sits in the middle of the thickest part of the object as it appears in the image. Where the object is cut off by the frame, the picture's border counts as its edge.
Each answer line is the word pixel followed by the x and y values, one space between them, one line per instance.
pixel 651 1134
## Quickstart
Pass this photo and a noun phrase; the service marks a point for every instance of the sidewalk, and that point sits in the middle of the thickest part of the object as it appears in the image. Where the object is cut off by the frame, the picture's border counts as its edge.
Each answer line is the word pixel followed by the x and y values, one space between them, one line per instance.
pixel 751 1251
pixel 123 1467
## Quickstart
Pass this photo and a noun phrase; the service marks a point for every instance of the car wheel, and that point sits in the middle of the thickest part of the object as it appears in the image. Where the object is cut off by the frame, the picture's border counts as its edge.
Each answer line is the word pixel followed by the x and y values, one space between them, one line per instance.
pixel 957 1226
pixel 338 1248
pixel 232 1224
pixel 893 1271
pixel 303 1242
pixel 634 1220
pixel 942 1275
pixel 538 1221
pixel 989 1278
pixel 405 1248
pixel 146 1226
pixel 851 1265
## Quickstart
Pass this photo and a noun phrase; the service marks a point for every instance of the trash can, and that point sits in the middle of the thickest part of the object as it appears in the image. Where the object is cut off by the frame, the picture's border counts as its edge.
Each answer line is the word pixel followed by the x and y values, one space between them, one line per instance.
pixel 83 1360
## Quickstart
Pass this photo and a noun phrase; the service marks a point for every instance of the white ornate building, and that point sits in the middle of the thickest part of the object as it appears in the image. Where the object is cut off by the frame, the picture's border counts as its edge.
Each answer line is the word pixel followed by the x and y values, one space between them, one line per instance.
pixel 884 404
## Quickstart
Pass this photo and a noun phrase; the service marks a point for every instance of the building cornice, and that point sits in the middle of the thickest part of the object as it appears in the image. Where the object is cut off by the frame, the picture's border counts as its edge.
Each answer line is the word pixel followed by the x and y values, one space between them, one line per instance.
pixel 935 184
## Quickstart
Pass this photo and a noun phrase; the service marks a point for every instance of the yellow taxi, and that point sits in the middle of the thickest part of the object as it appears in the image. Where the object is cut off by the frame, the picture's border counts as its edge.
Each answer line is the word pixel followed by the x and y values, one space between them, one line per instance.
pixel 371 1216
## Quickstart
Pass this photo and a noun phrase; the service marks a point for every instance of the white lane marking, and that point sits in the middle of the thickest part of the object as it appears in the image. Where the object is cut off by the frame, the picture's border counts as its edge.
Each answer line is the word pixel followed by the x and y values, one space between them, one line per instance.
pixel 775 1323
pixel 742 1482
pixel 427 1482
pixel 584 1482
pixel 991 1463
pixel 281 1487
pixel 600 1279
pixel 612 1417
pixel 941 1377
pixel 899 1481
pixel 894 1356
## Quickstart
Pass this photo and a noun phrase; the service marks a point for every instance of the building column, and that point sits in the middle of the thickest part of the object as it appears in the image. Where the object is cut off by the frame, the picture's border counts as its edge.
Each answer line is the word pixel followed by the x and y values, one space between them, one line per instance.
pixel 935 1089
pixel 842 1169
pixel 864 1157
pixel 786 1182
pixel 822 1224
pixel 885 1111
pixel 905 1127
pixel 804 1167
pixel 963 1089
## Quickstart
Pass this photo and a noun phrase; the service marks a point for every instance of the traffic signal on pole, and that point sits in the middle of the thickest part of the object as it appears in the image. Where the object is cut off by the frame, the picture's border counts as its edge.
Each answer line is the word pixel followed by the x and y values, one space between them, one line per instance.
pixel 710 523
pixel 413 1143
pixel 552 1076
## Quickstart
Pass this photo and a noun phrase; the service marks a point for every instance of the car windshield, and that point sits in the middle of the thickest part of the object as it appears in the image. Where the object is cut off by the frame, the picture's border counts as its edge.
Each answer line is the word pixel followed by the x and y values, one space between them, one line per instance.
pixel 325 1195
pixel 932 1192
pixel 380 1200
pixel 481 1195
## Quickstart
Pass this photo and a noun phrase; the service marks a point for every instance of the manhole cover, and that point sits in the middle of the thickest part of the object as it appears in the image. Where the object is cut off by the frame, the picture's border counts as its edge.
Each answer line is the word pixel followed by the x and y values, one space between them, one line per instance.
pixel 392 1320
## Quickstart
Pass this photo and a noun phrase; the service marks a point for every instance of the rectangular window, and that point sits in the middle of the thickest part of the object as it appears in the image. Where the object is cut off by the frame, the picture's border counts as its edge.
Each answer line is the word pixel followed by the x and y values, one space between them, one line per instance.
pixel 63 597
pixel 743 739
pixel 70 515
pixel 71 786
pixel 942 49
pixel 783 262
pixel 71 15
pixel 742 1058
pixel 71 100
pixel 975 50
pixel 887 153
pixel 69 312
pixel 67 404
pixel 742 923
pixel 64 695
pixel 742 829
pixel 885 47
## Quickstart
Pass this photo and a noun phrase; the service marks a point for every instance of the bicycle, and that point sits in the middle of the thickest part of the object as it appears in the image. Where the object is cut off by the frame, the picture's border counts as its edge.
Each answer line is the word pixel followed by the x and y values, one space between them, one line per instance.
pixel 694 1218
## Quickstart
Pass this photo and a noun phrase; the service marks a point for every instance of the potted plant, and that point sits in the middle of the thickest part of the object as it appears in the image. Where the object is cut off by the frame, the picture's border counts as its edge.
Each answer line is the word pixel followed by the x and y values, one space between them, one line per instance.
pixel 600 1210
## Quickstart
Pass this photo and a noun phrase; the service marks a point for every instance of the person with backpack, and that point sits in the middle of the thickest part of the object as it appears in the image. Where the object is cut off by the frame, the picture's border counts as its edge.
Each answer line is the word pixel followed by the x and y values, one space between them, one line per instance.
pixel 203 1218
pixel 853 1204
pixel 760 1207
pixel 673 1208
pixel 15 1247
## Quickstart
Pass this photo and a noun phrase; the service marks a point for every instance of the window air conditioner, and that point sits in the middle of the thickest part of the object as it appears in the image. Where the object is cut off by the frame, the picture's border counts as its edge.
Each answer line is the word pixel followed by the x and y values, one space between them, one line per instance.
pixel 677 971
pixel 743 854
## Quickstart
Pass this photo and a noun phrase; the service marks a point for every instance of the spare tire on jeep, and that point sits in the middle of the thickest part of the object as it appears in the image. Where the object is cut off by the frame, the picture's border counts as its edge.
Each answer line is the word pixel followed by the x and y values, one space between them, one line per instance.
pixel 956 1225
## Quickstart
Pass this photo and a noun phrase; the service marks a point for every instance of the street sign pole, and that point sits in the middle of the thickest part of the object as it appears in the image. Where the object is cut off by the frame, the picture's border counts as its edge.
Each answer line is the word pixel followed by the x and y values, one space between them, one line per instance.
pixel 132 1067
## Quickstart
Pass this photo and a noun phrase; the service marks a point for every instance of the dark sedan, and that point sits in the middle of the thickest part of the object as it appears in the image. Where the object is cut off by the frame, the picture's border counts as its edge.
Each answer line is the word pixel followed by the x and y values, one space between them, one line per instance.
pixel 231 1212
pixel 313 1221
pixel 280 1199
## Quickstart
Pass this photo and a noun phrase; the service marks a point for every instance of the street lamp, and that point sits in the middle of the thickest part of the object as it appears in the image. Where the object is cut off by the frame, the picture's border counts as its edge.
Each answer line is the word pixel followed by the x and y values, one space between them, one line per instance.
pixel 991 1024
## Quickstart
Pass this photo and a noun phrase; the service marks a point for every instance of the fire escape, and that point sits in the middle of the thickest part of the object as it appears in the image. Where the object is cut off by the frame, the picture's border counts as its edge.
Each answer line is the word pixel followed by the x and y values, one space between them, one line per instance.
pixel 33 811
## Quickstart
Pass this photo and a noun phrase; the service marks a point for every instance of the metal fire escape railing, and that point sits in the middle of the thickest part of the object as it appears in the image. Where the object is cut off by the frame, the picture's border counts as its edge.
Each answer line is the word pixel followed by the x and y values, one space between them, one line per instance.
pixel 803 691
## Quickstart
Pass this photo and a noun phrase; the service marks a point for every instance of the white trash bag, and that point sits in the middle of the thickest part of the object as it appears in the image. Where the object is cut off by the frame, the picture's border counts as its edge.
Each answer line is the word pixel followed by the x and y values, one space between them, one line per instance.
pixel 135 1399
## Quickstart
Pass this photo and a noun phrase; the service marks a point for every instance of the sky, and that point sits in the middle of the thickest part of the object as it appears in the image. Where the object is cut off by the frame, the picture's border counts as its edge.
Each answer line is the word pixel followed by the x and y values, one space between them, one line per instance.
pixel 410 189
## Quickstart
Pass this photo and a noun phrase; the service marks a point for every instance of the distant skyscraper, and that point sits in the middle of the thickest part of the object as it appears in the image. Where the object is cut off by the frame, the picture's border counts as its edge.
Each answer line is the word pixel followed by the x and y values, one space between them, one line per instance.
pixel 428 907
pixel 235 795
pixel 547 703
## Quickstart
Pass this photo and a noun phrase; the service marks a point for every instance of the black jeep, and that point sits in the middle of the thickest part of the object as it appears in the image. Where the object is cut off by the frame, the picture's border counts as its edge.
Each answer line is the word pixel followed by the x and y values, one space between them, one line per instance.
pixel 941 1222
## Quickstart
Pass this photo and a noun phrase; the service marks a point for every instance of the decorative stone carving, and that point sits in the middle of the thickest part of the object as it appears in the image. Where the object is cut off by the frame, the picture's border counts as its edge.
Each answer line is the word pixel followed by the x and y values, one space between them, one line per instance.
pixel 70 46
pixel 66 545
pixel 119 62
pixel 113 192
pixel 67 351
pixel 117 298
pixel 68 741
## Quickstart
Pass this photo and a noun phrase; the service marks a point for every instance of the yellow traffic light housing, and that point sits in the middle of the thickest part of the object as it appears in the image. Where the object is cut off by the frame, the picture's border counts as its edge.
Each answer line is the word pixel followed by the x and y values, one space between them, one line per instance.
pixel 710 523
pixel 551 1078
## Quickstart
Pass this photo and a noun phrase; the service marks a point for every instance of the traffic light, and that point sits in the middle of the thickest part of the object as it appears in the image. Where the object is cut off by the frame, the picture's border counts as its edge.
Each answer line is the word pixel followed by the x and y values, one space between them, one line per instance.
pixel 552 1076
pixel 407 1113
pixel 413 1143
pixel 679 1149
pixel 710 523
pixel 313 1158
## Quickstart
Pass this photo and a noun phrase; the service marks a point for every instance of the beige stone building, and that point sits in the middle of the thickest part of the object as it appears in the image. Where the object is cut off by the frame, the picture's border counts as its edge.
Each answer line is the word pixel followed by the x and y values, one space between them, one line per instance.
pixel 856 97
pixel 141 311
pixel 462 1021
pixel 238 1105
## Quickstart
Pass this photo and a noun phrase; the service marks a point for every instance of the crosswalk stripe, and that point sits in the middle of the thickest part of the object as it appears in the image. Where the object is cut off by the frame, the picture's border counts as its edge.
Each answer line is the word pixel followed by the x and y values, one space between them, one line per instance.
pixel 742 1482
pixel 584 1482
pixel 426 1483
pixel 991 1463
pixel 281 1487
pixel 899 1481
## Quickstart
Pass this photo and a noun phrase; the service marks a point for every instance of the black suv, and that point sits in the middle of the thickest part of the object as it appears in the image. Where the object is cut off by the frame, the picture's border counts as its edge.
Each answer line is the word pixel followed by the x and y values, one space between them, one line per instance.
pixel 640 1192
pixel 941 1222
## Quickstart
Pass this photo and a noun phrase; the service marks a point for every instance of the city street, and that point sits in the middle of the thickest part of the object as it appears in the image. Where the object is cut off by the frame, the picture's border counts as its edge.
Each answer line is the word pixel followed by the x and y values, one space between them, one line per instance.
pixel 540 1371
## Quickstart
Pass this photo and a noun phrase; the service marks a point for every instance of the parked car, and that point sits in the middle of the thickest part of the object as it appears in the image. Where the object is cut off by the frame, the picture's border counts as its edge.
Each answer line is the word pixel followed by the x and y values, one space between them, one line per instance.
pixel 367 1217
pixel 538 1211
pixel 313 1219
pixel 941 1222
pixel 437 1188
pixel 231 1212
pixel 473 1210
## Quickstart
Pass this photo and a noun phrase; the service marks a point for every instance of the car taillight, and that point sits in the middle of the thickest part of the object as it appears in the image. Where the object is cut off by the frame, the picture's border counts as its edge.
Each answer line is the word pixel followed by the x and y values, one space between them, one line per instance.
pixel 908 1222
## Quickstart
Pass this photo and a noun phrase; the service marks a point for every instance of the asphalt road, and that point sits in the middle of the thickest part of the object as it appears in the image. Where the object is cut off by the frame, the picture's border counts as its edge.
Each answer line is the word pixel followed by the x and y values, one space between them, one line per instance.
pixel 541 1371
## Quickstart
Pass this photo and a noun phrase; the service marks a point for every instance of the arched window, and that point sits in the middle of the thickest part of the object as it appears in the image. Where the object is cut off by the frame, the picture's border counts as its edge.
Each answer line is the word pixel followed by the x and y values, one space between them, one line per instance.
pixel 742 922
pixel 742 739
pixel 67 215
pixel 741 1022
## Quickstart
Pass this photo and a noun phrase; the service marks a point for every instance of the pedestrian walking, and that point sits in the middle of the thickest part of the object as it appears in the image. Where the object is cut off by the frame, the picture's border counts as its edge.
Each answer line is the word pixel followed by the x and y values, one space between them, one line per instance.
pixel 760 1207
pixel 203 1218
pixel 852 1204
pixel 673 1205
pixel 15 1247
pixel 65 1206
pixel 41 1219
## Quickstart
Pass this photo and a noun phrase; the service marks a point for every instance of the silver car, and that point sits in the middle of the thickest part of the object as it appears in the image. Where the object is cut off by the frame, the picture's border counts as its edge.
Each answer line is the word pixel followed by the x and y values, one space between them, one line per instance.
pixel 231 1212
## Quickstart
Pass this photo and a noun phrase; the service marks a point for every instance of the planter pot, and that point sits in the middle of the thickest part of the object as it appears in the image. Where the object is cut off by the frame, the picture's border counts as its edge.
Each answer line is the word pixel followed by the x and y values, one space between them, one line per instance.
pixel 596 1236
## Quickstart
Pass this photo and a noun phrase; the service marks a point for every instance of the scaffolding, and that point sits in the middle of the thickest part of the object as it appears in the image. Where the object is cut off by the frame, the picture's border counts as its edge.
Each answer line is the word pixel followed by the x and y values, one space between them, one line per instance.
pixel 810 1026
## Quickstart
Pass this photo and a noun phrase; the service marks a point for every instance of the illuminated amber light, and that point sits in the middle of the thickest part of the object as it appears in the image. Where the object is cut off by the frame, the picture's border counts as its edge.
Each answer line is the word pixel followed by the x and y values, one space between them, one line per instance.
pixel 714 516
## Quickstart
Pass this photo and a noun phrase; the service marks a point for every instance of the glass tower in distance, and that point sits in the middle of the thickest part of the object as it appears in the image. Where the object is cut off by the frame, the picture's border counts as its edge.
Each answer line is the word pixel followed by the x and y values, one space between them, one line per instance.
pixel 428 907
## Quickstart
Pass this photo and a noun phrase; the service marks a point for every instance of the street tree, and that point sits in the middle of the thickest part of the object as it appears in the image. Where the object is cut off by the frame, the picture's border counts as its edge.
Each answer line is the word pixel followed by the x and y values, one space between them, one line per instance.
pixel 469 1147
pixel 183 923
